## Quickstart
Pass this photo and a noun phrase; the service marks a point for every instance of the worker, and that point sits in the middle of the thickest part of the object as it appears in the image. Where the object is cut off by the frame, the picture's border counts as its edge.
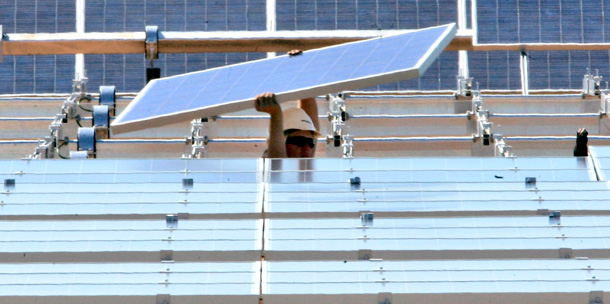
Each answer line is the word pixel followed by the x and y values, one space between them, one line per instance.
pixel 293 132
pixel 581 148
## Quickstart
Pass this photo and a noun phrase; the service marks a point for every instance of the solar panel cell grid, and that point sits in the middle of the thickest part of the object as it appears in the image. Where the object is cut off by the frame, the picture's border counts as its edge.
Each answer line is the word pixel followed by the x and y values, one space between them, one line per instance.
pixel 498 70
pixel 365 15
pixel 533 21
pixel 37 74
pixel 127 71
pixel 321 71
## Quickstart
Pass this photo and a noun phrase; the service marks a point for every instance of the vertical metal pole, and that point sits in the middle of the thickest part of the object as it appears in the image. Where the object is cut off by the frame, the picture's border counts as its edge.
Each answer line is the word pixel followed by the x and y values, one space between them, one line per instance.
pixel 524 64
pixel 473 19
pixel 271 21
pixel 79 60
pixel 462 25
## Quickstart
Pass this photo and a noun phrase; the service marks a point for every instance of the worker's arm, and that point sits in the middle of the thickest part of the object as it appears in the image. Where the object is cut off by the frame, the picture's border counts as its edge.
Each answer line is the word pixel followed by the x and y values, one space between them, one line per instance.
pixel 310 107
pixel 276 146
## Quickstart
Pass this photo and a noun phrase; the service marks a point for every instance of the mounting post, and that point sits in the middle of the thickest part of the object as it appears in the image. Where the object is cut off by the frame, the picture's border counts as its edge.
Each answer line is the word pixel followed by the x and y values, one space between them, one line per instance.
pixel 152 52
pixel 464 85
pixel 482 119
pixel 591 84
pixel 501 149
pixel 198 141
pixel 338 116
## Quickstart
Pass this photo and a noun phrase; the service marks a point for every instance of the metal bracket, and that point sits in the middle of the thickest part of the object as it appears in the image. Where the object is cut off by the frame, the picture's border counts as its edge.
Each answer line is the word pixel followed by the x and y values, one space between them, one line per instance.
pixel 9 184
pixel 365 254
pixel 167 255
pixel 483 125
pixel 354 183
pixel 384 298
pixel 464 85
pixel 187 183
pixel 171 221
pixel 348 146
pixel 338 117
pixel 566 253
pixel 152 40
pixel 70 106
pixel 591 84
pixel 163 299
pixel 501 148
pixel 366 218
pixel 596 297
pixel 555 218
pixel 198 141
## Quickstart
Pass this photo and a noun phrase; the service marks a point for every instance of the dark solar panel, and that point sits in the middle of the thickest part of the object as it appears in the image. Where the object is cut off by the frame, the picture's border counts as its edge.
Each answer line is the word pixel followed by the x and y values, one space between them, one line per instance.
pixel 128 72
pixel 497 70
pixel 384 14
pixel 512 21
pixel 565 69
pixel 37 74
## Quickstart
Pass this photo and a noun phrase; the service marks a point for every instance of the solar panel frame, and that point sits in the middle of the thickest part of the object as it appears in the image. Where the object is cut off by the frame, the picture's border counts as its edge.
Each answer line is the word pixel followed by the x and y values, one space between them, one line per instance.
pixel 228 95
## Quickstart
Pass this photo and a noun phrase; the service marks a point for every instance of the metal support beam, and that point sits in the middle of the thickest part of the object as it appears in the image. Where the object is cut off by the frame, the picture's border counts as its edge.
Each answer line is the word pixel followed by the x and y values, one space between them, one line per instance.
pixel 237 41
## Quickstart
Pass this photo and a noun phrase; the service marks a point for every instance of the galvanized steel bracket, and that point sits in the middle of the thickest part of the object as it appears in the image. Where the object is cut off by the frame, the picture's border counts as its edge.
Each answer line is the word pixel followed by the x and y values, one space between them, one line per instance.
pixel 163 299
pixel 566 253
pixel 384 298
pixel 596 297
pixel 152 42
pixel 365 254
pixel 167 255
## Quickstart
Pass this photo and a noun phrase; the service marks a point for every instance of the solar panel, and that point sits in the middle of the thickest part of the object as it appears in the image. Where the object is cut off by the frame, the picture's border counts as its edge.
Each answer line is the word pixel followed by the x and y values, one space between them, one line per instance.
pixel 129 279
pixel 425 280
pixel 531 21
pixel 115 188
pixel 601 158
pixel 106 241
pixel 344 67
pixel 432 238
pixel 38 73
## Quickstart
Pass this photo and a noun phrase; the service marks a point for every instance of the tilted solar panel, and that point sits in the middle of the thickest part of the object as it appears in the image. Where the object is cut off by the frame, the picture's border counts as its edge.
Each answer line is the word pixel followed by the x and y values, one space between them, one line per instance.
pixel 343 67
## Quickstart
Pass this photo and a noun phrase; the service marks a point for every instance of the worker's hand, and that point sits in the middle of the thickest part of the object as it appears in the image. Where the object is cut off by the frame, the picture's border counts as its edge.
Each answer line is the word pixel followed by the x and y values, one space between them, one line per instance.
pixel 582 132
pixel 294 52
pixel 267 103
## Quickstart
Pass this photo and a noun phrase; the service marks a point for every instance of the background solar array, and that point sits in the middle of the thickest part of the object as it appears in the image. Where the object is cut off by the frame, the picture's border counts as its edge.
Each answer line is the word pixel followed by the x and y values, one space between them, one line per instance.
pixel 509 21
pixel 551 21
pixel 127 72
pixel 43 73
pixel 540 21
pixel 382 15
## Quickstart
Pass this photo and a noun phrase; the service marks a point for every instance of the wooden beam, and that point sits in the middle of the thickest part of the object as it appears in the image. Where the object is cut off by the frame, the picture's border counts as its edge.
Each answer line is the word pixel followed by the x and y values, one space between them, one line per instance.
pixel 235 41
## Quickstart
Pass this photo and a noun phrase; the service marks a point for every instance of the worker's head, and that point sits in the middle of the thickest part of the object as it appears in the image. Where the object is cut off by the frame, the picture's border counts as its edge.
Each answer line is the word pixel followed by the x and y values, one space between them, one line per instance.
pixel 300 133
